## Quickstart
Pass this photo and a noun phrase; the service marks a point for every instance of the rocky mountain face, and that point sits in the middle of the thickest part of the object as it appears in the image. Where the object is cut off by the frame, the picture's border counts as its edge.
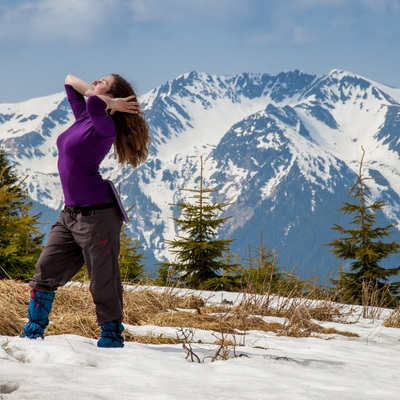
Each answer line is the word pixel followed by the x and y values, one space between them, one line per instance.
pixel 282 150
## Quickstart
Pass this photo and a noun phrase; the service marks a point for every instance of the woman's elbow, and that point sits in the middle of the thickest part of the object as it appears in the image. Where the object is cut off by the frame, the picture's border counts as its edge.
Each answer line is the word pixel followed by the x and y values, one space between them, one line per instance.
pixel 68 79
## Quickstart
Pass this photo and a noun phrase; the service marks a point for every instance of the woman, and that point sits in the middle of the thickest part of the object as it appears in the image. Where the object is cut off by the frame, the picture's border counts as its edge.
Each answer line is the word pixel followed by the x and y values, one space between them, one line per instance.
pixel 88 230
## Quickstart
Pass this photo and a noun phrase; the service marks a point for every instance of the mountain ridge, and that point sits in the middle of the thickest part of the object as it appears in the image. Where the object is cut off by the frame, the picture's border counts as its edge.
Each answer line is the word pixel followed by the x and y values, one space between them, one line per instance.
pixel 284 149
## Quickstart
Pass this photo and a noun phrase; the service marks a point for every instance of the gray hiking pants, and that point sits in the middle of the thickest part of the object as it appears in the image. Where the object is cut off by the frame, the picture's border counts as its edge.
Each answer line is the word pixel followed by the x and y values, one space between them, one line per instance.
pixel 92 239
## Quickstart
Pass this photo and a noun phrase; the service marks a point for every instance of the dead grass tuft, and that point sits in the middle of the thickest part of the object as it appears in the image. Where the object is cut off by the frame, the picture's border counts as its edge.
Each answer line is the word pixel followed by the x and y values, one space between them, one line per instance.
pixel 150 338
pixel 393 321
pixel 142 305
pixel 333 331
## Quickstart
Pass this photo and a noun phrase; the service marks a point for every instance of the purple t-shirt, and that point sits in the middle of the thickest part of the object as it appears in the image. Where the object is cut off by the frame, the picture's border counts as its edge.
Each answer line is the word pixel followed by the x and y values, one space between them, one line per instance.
pixel 81 149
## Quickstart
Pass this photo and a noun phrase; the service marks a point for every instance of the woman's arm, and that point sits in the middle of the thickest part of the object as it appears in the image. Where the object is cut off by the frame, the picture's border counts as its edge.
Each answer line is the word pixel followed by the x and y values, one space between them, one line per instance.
pixel 121 104
pixel 78 84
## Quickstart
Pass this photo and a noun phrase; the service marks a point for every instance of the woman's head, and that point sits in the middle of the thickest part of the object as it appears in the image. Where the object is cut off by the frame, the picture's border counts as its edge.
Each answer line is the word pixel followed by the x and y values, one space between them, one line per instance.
pixel 112 85
pixel 133 134
pixel 101 87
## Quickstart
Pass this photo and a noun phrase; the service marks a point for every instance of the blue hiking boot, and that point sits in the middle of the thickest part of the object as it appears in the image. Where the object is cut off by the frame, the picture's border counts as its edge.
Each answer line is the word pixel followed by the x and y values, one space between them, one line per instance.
pixel 39 309
pixel 110 335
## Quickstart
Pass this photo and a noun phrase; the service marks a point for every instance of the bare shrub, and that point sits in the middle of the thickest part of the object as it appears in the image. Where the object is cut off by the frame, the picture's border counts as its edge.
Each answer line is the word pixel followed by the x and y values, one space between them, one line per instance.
pixel 185 336
pixel 373 299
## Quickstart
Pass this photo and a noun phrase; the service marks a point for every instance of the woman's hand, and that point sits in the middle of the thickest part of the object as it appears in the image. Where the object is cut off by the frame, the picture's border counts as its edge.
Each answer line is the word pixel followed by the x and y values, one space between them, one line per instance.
pixel 126 105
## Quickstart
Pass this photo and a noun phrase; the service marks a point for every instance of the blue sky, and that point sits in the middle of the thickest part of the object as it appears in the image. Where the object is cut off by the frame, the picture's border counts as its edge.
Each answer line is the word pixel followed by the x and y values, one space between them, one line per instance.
pixel 152 41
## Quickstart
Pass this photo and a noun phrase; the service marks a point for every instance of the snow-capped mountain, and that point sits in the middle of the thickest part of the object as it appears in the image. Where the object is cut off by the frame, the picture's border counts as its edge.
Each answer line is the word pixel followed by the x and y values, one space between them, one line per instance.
pixel 282 149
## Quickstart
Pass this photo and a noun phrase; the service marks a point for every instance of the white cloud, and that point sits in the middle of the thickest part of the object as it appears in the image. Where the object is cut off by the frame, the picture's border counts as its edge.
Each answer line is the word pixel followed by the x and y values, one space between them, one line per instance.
pixel 307 4
pixel 374 5
pixel 173 11
pixel 313 21
pixel 382 5
pixel 283 36
pixel 49 20
pixel 82 20
pixel 269 21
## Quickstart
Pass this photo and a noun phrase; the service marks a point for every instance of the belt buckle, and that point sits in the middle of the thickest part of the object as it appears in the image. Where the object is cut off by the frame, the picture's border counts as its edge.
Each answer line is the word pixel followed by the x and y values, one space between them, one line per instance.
pixel 71 210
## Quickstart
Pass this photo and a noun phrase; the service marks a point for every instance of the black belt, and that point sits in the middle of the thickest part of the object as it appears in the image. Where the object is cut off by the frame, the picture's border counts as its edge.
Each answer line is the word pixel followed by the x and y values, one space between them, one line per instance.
pixel 79 209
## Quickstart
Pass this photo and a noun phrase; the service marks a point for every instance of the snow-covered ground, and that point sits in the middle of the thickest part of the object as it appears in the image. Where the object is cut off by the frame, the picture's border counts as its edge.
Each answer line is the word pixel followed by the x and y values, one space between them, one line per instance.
pixel 261 366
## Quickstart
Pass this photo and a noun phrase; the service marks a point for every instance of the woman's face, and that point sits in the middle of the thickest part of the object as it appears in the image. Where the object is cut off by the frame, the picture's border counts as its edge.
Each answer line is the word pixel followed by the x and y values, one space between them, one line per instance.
pixel 100 87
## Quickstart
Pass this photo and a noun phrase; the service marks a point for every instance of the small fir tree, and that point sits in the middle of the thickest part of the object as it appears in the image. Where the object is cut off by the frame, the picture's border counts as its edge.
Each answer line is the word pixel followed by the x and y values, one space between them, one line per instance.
pixel 199 251
pixel 229 278
pixel 130 259
pixel 367 282
pixel 20 240
pixel 262 274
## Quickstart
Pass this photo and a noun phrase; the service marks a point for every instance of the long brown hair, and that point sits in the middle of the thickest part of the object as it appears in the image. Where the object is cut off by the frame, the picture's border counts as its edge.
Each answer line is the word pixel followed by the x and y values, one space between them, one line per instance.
pixel 133 137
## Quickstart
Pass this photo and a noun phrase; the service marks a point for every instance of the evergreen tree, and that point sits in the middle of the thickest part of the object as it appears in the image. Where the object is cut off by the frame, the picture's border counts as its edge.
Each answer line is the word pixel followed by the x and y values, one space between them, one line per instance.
pixel 20 240
pixel 367 282
pixel 262 274
pixel 199 252
pixel 130 259
pixel 229 278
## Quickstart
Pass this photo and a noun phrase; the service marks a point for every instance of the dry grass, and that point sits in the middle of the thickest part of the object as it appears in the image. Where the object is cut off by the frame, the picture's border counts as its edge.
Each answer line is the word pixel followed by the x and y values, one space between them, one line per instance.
pixel 393 321
pixel 73 313
pixel 12 307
